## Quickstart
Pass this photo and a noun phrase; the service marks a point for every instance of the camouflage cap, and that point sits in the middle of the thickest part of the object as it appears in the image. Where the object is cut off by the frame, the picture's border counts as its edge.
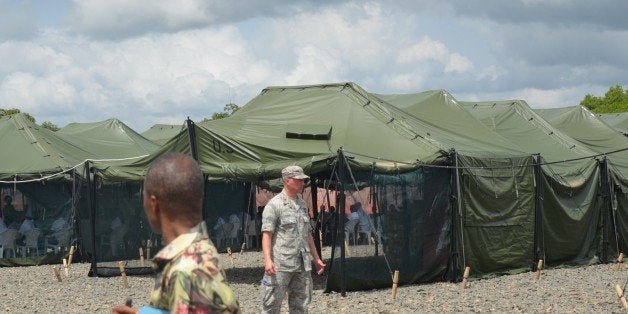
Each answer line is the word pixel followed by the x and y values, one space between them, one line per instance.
pixel 294 172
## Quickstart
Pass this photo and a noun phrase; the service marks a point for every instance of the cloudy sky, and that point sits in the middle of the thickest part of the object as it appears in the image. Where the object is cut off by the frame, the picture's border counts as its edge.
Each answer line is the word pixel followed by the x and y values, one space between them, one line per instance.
pixel 159 61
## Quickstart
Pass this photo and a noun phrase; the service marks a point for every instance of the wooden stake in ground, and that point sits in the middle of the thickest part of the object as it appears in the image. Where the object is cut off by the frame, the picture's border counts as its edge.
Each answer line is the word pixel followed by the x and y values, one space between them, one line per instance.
pixel 56 271
pixel 395 285
pixel 539 267
pixel 141 257
pixel 620 260
pixel 125 283
pixel 465 277
pixel 620 294
pixel 70 256
pixel 65 267
pixel 149 243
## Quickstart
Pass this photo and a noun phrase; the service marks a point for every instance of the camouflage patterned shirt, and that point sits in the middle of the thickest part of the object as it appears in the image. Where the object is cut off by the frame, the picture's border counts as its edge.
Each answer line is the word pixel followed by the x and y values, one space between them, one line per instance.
pixel 289 223
pixel 189 279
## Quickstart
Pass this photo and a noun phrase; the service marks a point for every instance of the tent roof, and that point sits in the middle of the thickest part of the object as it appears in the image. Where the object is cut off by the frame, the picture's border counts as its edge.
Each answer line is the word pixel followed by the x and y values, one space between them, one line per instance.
pixel 304 125
pixel 619 121
pixel 31 151
pixel 161 133
pixel 582 125
pixel 514 120
pixel 108 139
pixel 452 125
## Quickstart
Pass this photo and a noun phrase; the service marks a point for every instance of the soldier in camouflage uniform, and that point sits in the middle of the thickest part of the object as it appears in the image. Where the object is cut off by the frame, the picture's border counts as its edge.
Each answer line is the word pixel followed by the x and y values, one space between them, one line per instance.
pixel 189 279
pixel 288 247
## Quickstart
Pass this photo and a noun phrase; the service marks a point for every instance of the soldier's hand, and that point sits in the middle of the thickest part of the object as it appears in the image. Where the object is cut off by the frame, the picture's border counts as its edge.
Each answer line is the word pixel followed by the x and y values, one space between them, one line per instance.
pixel 320 266
pixel 269 268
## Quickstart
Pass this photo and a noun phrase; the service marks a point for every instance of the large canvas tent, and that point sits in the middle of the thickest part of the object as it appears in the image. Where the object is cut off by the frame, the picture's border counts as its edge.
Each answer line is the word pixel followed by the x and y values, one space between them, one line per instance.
pixel 37 172
pixel 109 138
pixel 585 127
pixel 496 184
pixel 568 185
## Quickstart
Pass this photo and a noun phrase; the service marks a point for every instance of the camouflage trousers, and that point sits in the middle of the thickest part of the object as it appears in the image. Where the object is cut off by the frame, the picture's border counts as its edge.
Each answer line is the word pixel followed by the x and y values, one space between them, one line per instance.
pixel 297 284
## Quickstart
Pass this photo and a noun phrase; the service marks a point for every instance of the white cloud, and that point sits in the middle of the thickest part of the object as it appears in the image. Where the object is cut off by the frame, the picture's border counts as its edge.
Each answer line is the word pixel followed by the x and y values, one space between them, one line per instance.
pixel 492 73
pixel 137 80
pixel 433 50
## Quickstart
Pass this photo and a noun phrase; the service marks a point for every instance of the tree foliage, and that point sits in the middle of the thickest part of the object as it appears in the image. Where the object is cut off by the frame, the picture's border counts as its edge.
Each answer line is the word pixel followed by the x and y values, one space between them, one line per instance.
pixel 228 110
pixel 47 124
pixel 615 100
pixel 50 126
pixel 12 111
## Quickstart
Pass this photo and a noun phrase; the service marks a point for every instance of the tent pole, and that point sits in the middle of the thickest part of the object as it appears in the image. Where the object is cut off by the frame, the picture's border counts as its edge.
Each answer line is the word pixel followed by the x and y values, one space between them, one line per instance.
pixel 316 235
pixel 192 138
pixel 455 216
pixel 245 211
pixel 93 272
pixel 76 218
pixel 606 207
pixel 334 236
pixel 339 210
pixel 538 209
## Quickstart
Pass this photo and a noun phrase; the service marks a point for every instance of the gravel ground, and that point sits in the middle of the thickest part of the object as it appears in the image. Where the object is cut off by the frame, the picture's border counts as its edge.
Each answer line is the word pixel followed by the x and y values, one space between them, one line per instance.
pixel 574 290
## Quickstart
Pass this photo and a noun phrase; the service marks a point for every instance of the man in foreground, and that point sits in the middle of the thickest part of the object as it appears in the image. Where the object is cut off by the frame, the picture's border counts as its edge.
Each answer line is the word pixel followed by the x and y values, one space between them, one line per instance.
pixel 287 245
pixel 189 279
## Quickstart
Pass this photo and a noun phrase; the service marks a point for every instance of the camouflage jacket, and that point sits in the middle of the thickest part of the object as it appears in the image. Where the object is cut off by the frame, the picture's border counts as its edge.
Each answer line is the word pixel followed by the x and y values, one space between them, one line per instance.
pixel 189 279
pixel 289 223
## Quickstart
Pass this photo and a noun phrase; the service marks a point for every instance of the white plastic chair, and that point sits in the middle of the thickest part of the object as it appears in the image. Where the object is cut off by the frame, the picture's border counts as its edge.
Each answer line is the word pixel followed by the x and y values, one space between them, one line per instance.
pixel 63 240
pixel 8 241
pixel 227 229
pixel 31 241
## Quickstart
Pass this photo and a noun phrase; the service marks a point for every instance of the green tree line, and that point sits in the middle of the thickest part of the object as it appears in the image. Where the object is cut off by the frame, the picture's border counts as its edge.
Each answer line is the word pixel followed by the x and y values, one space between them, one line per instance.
pixel 615 100
pixel 46 124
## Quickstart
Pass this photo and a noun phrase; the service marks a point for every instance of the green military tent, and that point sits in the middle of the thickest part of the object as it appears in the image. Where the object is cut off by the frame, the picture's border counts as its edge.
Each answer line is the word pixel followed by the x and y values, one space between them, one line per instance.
pixel 37 172
pixel 569 217
pixel 585 127
pixel 497 220
pixel 108 139
pixel 161 133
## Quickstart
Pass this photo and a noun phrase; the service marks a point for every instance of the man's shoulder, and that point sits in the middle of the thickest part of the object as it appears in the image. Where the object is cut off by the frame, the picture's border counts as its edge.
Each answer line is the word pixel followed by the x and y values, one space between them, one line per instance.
pixel 199 254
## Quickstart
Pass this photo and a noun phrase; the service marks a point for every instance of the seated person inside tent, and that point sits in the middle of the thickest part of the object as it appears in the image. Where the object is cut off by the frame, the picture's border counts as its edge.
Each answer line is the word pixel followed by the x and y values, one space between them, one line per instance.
pixel 351 223
pixel 364 224
pixel 12 217
pixel 217 233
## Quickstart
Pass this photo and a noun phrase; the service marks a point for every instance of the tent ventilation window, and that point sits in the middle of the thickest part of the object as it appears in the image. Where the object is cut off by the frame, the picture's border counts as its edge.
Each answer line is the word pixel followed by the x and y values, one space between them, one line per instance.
pixel 308 131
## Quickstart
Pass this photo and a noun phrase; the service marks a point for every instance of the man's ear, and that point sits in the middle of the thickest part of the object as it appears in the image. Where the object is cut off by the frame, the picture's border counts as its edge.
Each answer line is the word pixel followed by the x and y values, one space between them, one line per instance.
pixel 155 213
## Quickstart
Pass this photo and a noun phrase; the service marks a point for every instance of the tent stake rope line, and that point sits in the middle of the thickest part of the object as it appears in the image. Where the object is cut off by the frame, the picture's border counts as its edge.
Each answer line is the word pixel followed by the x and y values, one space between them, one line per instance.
pixel 419 163
pixel 50 176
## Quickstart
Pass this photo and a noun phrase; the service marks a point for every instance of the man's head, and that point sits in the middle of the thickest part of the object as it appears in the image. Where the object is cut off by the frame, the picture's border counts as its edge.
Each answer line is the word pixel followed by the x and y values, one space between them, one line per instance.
pixel 8 199
pixel 294 179
pixel 173 191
